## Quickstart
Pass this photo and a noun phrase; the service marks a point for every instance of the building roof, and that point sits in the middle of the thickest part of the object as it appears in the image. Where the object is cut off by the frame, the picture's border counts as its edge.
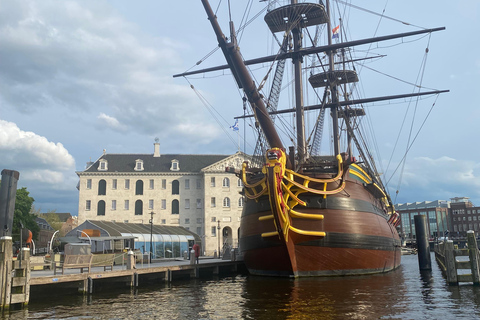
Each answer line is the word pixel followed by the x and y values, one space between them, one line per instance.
pixel 422 205
pixel 43 224
pixel 119 229
pixel 163 163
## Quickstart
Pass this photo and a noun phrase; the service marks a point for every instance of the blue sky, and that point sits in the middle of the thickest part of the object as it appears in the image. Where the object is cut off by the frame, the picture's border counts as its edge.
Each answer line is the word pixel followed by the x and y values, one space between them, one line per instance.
pixel 77 77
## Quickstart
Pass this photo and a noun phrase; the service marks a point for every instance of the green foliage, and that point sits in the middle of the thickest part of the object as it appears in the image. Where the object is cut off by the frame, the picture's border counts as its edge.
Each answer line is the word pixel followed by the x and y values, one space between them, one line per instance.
pixel 23 215
pixel 52 219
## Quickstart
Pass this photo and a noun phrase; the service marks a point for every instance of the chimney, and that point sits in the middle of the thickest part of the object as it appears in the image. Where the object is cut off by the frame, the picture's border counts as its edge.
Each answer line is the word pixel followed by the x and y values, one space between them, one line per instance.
pixel 156 150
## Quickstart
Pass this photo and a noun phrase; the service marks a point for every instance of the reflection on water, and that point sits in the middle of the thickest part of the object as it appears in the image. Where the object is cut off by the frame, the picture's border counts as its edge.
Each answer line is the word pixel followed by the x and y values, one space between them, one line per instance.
pixel 405 293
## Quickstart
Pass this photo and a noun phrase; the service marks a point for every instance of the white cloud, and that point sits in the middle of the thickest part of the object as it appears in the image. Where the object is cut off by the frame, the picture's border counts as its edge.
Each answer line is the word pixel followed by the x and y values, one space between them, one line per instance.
pixel 110 122
pixel 440 179
pixel 46 168
pixel 82 56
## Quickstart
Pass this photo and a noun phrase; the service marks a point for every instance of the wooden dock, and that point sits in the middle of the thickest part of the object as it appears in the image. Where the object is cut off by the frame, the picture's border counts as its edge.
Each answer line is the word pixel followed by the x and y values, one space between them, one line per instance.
pixel 27 284
pixel 446 255
pixel 146 274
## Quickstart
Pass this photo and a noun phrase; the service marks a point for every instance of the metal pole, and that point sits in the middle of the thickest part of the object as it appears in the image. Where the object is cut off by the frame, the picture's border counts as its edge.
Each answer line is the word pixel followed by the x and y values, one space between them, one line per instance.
pixel 151 235
pixel 424 260
pixel 218 235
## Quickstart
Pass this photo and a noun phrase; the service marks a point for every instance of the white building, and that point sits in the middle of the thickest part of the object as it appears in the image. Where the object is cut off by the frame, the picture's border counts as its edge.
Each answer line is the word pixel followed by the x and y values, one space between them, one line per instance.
pixel 191 191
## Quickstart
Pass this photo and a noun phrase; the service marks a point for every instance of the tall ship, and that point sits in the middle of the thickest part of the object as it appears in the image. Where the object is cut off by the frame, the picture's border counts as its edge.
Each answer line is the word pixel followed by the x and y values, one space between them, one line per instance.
pixel 308 212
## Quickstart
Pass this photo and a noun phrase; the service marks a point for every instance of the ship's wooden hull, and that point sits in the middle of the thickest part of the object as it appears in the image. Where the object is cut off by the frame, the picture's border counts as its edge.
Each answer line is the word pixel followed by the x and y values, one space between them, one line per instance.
pixel 358 240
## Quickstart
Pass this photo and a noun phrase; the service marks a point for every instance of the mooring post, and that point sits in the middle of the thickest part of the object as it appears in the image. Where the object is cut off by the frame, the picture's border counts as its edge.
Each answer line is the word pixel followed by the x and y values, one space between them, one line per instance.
pixel 450 263
pixel 130 260
pixel 473 255
pixel 8 192
pixel 6 256
pixel 421 231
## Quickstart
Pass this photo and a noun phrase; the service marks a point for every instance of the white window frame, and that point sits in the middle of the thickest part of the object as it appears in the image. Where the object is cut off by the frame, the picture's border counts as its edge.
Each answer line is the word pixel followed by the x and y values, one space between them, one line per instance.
pixel 226 202
pixel 226 182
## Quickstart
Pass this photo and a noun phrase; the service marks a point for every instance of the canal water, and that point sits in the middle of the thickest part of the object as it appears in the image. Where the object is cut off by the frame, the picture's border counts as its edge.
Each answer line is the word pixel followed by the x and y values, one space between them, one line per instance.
pixel 402 294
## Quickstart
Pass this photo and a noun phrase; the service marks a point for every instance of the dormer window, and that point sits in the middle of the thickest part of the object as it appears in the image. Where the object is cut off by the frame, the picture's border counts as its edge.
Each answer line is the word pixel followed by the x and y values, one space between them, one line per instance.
pixel 138 165
pixel 175 166
pixel 103 165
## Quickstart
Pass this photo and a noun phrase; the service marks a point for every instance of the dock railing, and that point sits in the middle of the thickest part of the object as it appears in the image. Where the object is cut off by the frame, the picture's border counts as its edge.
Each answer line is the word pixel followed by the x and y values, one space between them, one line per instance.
pixel 446 255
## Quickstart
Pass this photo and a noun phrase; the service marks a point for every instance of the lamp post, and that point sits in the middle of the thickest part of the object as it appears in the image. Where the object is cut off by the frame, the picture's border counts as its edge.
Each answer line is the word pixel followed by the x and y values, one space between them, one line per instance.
pixel 151 235
pixel 218 235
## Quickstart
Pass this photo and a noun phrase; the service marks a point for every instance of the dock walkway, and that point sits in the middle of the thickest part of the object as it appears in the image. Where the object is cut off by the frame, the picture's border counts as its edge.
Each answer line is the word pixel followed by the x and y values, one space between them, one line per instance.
pixel 163 270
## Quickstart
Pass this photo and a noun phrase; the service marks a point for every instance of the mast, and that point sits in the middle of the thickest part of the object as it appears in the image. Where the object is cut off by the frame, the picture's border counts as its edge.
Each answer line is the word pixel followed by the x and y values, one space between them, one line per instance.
pixel 243 78
pixel 333 88
pixel 297 62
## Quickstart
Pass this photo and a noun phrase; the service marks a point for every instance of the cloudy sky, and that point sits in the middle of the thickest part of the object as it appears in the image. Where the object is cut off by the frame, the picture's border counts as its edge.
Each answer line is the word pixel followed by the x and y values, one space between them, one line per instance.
pixel 77 77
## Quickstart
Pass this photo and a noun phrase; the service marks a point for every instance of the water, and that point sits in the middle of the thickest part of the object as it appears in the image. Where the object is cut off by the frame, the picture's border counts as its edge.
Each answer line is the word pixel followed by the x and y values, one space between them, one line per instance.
pixel 402 294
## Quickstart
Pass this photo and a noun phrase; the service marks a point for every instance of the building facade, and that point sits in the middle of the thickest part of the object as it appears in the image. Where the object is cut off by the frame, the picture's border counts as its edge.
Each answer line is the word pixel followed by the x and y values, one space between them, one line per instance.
pixel 191 191
pixel 465 216
pixel 437 213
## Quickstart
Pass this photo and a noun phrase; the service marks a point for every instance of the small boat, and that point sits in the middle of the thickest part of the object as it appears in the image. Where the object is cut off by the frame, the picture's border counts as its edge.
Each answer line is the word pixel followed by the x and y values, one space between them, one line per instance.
pixel 308 213
pixel 408 251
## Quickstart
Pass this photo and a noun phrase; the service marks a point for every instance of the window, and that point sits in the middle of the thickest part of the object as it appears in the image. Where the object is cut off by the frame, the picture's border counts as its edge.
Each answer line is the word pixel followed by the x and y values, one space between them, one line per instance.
pixel 127 204
pixel 138 207
pixel 151 186
pixel 199 203
pixel 214 219
pixel 214 231
pixel 88 205
pixel 150 204
pixel 127 183
pixel 164 183
pixel 175 187
pixel 175 166
pixel 164 204
pixel 138 165
pixel 212 202
pixel 240 202
pixel 187 184
pixel 114 204
pixel 226 202
pixel 239 183
pixel 101 208
pixel 89 183
pixel 212 182
pixel 114 184
pixel 139 187
pixel 199 231
pixel 187 221
pixel 226 182
pixel 199 220
pixel 163 221
pixel 199 184
pixel 187 203
pixel 102 187
pixel 175 207
pixel 102 165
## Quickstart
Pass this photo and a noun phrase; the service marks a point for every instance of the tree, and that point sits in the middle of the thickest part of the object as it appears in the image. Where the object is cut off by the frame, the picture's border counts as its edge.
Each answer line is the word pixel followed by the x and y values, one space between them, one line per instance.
pixel 23 216
pixel 53 220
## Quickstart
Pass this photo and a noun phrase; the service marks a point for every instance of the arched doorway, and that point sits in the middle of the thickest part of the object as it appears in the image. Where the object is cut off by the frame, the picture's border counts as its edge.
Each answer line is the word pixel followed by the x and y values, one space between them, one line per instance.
pixel 227 237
